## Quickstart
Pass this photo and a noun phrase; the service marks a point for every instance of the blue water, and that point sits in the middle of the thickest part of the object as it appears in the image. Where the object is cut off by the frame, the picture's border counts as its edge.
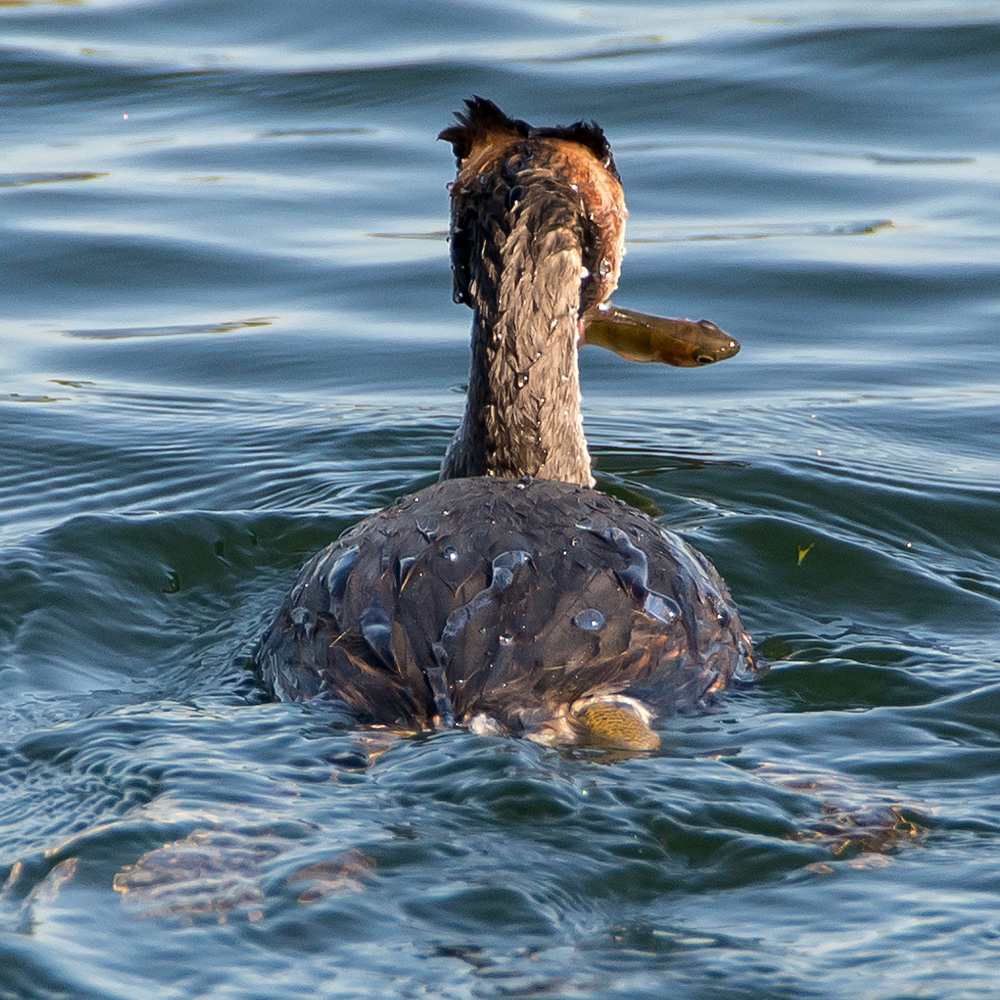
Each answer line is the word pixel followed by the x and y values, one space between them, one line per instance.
pixel 226 334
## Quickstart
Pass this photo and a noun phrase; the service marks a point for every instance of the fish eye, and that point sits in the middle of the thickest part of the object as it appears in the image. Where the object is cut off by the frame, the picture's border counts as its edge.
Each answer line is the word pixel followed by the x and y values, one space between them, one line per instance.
pixel 704 359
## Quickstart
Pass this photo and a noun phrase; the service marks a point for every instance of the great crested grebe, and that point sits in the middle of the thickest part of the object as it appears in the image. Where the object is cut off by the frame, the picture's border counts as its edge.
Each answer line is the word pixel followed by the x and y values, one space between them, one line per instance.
pixel 511 597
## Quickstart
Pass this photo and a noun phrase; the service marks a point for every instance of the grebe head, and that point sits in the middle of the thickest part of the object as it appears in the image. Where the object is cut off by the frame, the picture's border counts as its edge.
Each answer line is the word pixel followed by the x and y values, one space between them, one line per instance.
pixel 537 241
pixel 559 180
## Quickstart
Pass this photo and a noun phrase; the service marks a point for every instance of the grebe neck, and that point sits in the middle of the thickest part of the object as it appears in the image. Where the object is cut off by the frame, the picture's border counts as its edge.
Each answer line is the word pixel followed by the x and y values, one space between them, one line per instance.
pixel 523 414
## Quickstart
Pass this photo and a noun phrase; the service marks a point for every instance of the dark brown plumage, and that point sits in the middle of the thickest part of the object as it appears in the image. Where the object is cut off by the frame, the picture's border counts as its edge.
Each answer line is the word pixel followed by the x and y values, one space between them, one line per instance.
pixel 512 597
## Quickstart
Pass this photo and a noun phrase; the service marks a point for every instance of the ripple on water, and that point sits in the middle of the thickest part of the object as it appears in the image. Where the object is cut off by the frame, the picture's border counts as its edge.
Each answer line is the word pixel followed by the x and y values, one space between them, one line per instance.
pixel 842 474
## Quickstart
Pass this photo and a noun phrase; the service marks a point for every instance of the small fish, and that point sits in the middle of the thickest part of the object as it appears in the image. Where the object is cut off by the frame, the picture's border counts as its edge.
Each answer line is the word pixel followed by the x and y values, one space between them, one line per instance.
pixel 635 336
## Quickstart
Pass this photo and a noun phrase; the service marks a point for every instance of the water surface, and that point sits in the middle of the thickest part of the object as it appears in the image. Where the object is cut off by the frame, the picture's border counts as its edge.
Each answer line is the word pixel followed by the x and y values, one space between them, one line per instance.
pixel 227 334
